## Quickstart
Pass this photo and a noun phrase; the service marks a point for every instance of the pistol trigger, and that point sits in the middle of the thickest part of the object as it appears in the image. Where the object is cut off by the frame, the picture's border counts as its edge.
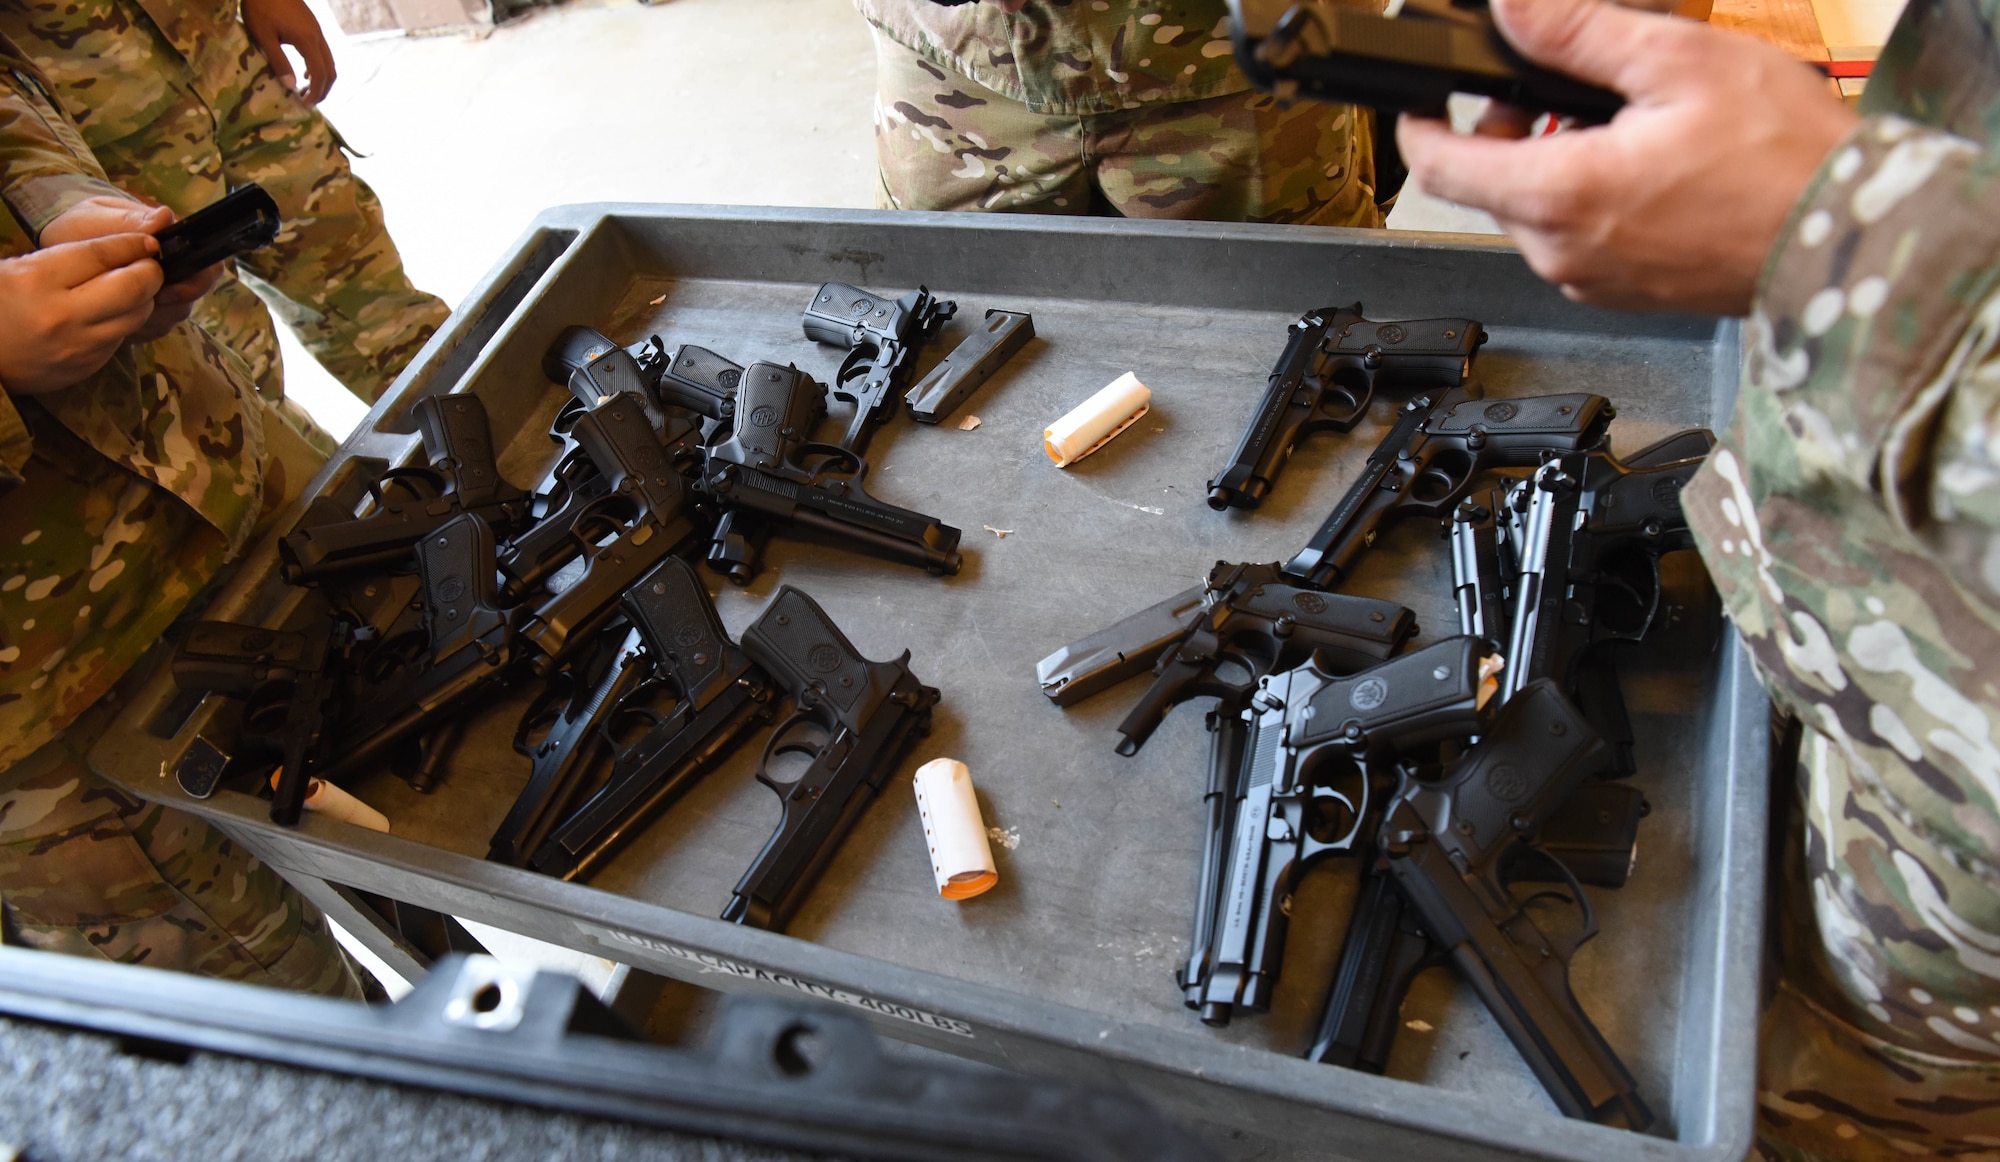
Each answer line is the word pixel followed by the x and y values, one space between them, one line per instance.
pixel 1574 894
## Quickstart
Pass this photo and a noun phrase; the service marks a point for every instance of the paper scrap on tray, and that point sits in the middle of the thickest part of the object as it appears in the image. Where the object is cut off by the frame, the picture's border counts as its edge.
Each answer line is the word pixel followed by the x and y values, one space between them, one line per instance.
pixel 1092 423
pixel 1001 533
pixel 656 302
pixel 1419 1026
pixel 968 423
pixel 1009 838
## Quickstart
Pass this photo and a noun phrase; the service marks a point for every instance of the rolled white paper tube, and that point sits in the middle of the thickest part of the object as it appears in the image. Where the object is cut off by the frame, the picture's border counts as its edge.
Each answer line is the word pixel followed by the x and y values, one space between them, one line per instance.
pixel 334 803
pixel 1093 422
pixel 961 859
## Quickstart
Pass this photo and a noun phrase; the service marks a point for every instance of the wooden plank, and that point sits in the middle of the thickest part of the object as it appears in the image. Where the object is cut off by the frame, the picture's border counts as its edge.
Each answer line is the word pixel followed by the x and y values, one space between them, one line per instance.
pixel 1790 24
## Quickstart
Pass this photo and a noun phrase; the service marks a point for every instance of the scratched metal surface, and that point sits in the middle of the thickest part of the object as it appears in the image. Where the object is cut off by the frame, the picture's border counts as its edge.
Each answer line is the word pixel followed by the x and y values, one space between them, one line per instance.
pixel 1099 853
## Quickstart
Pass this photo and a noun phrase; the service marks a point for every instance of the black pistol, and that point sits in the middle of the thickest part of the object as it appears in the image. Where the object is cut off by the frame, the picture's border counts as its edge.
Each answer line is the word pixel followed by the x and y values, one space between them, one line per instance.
pixel 562 734
pixel 1253 621
pixel 1593 836
pixel 645 513
pixel 768 472
pixel 1448 846
pixel 1367 630
pixel 242 220
pixel 291 684
pixel 1413 61
pixel 471 647
pixel 854 717
pixel 1333 362
pixel 1592 536
pixel 1440 443
pixel 1302 792
pixel 883 337
pixel 718 696
pixel 410 503
pixel 595 369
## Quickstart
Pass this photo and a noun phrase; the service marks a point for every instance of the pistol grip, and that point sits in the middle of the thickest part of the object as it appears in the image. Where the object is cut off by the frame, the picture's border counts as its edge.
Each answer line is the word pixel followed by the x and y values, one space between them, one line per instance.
pixel 461 594
pixel 681 629
pixel 458 437
pixel 838 312
pixel 701 381
pixel 574 350
pixel 800 646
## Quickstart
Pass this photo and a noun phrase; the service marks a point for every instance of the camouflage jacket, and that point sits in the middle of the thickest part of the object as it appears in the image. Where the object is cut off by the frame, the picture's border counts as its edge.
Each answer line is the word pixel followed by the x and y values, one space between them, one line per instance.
pixel 1074 56
pixel 90 34
pixel 120 496
pixel 1851 517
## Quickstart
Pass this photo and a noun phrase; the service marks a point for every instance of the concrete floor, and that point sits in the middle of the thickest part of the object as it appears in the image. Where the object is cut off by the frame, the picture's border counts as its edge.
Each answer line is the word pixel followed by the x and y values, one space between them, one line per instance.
pixel 751 102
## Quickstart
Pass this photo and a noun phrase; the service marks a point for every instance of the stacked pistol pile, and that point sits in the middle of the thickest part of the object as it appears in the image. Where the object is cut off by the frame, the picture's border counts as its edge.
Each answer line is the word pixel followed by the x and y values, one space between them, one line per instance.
pixel 452 587
pixel 1454 771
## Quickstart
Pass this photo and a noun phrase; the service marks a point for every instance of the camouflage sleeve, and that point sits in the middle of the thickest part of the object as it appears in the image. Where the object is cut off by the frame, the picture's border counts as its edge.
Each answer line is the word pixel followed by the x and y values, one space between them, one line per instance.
pixel 1884 293
pixel 16 443
pixel 38 168
pixel 1850 520
pixel 44 166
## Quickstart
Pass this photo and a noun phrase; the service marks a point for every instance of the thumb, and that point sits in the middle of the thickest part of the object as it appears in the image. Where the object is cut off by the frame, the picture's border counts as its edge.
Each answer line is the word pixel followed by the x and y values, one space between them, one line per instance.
pixel 73 264
pixel 1603 43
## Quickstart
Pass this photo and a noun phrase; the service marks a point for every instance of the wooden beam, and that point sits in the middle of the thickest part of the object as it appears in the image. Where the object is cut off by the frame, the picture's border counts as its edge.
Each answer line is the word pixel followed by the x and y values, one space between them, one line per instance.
pixel 1790 24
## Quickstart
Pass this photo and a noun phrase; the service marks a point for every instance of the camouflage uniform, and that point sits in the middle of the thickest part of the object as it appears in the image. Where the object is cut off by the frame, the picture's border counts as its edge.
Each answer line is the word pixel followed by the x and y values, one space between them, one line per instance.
pixel 120 498
pixel 178 106
pixel 1851 517
pixel 1064 111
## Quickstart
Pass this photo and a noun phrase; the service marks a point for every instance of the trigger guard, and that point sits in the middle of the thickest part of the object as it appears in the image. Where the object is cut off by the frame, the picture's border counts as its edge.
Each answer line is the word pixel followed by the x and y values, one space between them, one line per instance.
pixel 1214 687
pixel 854 366
pixel 1353 407
pixel 596 511
pixel 779 744
pixel 542 711
pixel 1576 896
pixel 830 454
pixel 1346 840
pixel 401 477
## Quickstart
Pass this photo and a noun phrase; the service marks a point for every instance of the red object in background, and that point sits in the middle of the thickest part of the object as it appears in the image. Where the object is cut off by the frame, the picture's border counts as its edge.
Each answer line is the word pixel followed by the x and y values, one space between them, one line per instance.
pixel 1845 70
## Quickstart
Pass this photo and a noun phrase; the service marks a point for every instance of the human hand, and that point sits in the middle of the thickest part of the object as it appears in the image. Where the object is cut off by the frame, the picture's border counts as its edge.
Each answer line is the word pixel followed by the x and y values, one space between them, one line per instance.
pixel 66 309
pixel 103 217
pixel 1673 205
pixel 272 24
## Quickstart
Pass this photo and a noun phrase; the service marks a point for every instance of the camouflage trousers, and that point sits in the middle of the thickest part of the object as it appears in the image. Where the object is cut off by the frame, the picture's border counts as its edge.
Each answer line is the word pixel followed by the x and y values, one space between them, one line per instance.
pixel 943 142
pixel 334 275
pixel 89 871
pixel 1828 1087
